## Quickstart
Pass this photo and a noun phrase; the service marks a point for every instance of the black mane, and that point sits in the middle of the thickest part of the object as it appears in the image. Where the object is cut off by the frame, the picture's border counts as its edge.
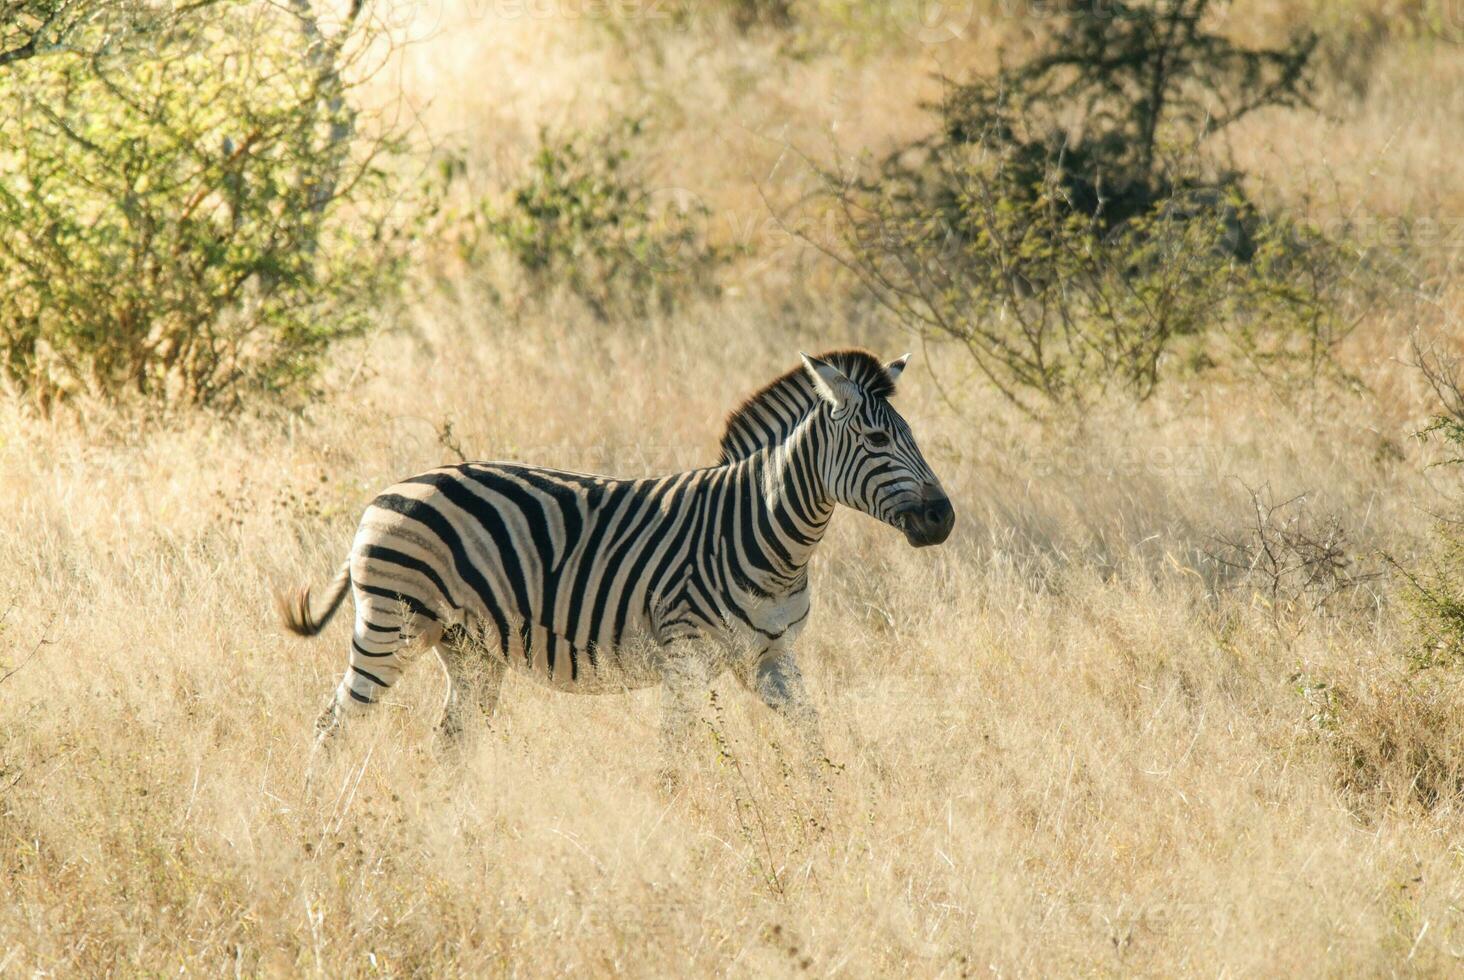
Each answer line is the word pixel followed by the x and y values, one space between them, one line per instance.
pixel 768 415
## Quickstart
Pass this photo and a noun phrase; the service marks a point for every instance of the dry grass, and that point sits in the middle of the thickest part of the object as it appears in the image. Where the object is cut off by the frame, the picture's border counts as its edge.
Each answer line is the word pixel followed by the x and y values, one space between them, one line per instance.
pixel 1066 742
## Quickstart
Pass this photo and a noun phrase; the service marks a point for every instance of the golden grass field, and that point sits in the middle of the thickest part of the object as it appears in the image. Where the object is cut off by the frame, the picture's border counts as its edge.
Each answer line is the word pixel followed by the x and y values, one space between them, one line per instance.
pixel 1064 745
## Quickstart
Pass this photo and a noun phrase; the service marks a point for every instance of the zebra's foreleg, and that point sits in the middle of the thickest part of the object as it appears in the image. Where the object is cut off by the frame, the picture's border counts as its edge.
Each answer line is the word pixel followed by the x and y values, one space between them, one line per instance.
pixel 473 682
pixel 778 682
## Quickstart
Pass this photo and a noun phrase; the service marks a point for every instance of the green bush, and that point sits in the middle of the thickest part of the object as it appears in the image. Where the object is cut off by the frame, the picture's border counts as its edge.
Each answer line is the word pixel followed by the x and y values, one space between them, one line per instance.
pixel 744 15
pixel 1114 89
pixel 1433 588
pixel 1433 598
pixel 584 218
pixel 1053 310
pixel 1064 225
pixel 188 208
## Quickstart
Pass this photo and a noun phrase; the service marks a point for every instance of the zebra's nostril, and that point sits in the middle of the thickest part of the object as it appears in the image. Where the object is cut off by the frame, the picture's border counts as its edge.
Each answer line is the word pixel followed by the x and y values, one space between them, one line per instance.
pixel 930 523
pixel 937 511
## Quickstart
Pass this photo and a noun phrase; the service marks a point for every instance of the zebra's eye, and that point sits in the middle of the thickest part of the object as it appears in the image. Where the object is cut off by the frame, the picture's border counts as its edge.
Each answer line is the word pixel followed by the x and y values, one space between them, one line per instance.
pixel 877 439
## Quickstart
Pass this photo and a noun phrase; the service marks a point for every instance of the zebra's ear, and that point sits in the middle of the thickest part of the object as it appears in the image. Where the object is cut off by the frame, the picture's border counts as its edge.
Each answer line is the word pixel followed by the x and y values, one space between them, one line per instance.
pixel 832 385
pixel 897 366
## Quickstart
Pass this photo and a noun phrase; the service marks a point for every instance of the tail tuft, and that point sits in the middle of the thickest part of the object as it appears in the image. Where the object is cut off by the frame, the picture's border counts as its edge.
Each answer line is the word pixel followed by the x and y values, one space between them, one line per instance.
pixel 295 611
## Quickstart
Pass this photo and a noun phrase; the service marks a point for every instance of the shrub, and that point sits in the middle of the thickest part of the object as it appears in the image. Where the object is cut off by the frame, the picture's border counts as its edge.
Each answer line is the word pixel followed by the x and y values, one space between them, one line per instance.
pixel 1433 598
pixel 1393 739
pixel 1066 228
pixel 1114 86
pixel 188 209
pixel 584 218
pixel 1433 587
pixel 744 15
pixel 1049 305
pixel 1442 371
pixel 1288 557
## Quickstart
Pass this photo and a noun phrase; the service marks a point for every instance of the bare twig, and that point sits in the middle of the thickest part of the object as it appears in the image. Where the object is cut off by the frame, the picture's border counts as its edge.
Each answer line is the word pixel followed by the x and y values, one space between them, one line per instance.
pixel 1441 368
pixel 448 440
pixel 1291 558
pixel 45 640
pixel 769 869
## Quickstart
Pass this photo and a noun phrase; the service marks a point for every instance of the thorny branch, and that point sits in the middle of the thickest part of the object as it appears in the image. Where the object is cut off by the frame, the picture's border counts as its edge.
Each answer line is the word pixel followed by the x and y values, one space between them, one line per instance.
pixel 1286 555
pixel 45 640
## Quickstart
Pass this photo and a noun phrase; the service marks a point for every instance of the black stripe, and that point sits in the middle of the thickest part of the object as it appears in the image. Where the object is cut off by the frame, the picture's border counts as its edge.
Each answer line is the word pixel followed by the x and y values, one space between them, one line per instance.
pixel 366 653
pixel 417 607
pixel 403 560
pixel 537 515
pixel 757 529
pixel 604 506
pixel 380 629
pixel 639 536
pixel 682 497
pixel 774 636
pixel 692 508
pixel 429 517
pixel 491 521
pixel 370 676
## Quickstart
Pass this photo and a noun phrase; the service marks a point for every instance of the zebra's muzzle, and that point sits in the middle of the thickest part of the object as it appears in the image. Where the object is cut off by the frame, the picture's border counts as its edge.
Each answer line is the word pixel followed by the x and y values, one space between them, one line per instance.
pixel 927 522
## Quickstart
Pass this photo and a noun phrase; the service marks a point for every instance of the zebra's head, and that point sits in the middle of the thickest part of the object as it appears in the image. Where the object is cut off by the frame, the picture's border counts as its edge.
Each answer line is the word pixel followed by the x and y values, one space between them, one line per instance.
pixel 872 463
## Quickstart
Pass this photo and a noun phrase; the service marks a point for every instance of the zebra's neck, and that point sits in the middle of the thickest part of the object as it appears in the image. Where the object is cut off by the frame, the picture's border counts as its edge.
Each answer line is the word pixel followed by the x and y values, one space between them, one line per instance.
pixel 791 493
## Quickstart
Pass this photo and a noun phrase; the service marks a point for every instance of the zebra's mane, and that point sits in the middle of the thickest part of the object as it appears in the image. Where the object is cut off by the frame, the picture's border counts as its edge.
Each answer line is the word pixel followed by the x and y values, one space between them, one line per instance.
pixel 768 415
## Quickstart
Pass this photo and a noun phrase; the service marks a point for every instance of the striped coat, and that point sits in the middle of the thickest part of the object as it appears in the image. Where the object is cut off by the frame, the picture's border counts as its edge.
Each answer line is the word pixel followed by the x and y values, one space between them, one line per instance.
pixel 593 584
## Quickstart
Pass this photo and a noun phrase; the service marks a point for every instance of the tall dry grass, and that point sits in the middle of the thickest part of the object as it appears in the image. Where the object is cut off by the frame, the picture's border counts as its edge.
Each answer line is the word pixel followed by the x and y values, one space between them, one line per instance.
pixel 1066 742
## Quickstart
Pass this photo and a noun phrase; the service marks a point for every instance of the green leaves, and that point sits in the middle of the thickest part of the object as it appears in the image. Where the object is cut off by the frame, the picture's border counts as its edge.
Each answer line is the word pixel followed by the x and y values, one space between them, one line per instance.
pixel 1113 87
pixel 1063 224
pixel 1433 598
pixel 179 207
pixel 585 218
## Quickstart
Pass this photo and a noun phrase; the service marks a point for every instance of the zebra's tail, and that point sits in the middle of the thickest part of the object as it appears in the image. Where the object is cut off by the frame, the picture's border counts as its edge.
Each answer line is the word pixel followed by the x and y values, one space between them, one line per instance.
pixel 295 609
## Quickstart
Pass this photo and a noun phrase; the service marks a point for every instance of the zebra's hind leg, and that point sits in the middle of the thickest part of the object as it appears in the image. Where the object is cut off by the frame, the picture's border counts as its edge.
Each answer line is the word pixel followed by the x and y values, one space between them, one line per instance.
pixel 382 646
pixel 327 725
pixel 685 684
pixel 473 684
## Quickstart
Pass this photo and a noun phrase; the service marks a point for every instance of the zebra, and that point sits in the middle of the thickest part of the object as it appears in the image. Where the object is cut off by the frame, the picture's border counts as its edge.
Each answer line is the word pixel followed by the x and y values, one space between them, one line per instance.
pixel 592 584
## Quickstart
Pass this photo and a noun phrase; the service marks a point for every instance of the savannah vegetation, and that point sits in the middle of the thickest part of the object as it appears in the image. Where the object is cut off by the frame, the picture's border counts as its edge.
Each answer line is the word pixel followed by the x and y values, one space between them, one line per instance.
pixel 1181 694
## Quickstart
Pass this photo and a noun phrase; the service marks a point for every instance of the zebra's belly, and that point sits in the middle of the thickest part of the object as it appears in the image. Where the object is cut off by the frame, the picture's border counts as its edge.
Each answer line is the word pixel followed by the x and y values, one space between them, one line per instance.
pixel 553 661
pixel 638 660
